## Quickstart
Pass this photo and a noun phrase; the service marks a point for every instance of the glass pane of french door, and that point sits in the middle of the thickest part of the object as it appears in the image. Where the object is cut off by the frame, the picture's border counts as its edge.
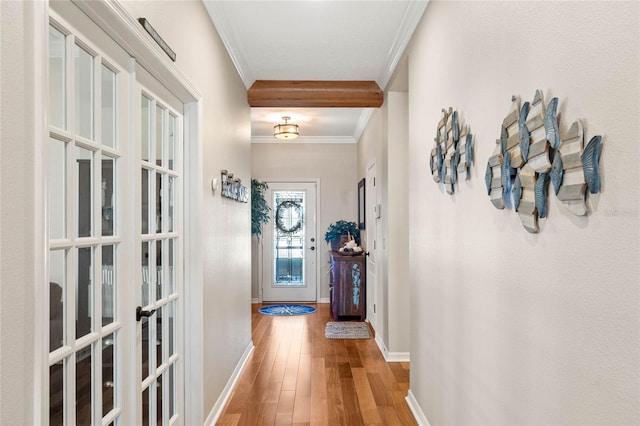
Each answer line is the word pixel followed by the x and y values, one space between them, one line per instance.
pixel 85 113
pixel 160 245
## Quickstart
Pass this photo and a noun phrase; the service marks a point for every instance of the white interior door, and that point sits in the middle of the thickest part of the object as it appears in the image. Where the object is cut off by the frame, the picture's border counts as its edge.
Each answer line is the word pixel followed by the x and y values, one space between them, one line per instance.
pixel 290 243
pixel 159 295
pixel 88 237
pixel 113 245
pixel 372 221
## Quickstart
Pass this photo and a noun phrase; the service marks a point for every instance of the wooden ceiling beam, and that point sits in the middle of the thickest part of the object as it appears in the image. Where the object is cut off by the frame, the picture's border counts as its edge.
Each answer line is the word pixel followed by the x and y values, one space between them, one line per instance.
pixel 315 94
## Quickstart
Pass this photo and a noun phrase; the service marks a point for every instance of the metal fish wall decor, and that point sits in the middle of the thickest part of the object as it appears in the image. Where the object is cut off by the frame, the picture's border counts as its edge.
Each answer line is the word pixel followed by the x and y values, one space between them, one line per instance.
pixel 452 154
pixel 531 152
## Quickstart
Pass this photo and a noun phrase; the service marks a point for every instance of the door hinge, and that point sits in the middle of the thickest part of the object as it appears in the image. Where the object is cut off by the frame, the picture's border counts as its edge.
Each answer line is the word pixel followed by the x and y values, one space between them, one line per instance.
pixel 374 308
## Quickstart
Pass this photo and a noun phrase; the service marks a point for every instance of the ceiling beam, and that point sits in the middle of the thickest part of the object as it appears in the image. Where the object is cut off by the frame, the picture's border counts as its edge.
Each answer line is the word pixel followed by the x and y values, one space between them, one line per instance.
pixel 315 94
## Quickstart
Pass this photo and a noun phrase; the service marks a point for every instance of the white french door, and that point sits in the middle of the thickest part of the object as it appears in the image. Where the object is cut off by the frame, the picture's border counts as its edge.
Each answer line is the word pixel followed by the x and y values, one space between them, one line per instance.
pixel 87 229
pixel 290 243
pixel 115 235
pixel 159 302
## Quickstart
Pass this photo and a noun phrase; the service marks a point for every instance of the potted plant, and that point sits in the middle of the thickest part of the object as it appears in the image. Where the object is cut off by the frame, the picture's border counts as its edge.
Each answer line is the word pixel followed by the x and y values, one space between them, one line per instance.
pixel 338 232
pixel 259 207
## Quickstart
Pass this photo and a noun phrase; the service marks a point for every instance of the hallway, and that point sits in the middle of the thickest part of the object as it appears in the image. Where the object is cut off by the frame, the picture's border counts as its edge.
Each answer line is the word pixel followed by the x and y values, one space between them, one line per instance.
pixel 296 376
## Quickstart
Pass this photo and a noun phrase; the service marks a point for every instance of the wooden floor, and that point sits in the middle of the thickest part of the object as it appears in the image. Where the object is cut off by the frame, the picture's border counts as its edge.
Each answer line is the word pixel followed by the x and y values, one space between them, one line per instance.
pixel 295 376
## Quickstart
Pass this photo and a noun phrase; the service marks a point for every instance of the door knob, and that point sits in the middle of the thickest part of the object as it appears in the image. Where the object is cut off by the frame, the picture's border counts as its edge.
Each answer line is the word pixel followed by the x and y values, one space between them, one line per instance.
pixel 141 313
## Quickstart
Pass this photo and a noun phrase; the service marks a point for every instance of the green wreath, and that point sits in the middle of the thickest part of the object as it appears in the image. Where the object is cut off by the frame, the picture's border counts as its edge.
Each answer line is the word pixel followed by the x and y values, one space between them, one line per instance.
pixel 282 207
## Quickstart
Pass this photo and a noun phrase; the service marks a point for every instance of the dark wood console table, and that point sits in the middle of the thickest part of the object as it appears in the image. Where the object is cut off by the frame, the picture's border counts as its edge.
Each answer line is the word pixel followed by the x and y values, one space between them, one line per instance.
pixel 347 290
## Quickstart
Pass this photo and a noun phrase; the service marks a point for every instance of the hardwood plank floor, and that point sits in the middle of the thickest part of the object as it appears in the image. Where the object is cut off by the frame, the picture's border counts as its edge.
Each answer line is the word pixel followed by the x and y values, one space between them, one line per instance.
pixel 295 376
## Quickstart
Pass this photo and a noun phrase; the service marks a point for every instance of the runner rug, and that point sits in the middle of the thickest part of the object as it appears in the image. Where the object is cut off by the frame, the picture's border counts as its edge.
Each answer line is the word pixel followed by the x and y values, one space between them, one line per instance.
pixel 347 330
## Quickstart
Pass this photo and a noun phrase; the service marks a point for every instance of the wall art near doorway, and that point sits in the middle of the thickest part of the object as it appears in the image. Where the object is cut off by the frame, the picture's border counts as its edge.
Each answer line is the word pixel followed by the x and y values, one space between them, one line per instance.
pixel 452 154
pixel 233 188
pixel 531 153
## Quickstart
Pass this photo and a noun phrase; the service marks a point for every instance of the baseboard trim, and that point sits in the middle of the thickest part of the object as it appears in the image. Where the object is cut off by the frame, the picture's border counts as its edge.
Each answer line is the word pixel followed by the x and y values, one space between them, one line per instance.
pixel 324 300
pixel 417 412
pixel 218 407
pixel 398 357
pixel 391 356
pixel 255 300
pixel 382 346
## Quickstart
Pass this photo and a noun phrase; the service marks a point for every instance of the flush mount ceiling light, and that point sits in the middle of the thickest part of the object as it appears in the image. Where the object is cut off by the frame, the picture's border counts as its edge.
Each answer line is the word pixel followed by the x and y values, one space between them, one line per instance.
pixel 286 130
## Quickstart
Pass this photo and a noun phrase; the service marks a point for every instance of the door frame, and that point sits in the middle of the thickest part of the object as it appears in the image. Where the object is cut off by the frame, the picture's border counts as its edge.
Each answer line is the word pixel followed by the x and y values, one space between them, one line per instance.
pixel 115 21
pixel 373 285
pixel 318 219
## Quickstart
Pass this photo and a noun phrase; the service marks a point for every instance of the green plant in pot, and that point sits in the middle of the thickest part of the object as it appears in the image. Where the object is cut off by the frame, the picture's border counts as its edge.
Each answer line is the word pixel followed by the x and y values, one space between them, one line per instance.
pixel 338 232
pixel 259 207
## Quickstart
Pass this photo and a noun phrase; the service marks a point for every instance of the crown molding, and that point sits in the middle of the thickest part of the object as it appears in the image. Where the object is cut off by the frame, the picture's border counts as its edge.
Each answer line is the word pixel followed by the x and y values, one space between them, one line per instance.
pixel 226 33
pixel 412 17
pixel 362 123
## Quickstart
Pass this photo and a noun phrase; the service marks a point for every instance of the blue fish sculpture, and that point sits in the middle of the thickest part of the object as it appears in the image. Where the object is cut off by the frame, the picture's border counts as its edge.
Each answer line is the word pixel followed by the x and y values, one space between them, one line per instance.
pixel 488 177
pixel 456 135
pixel 551 124
pixel 454 167
pixel 504 140
pixel 440 163
pixel 556 174
pixel 516 192
pixel 506 180
pixel 525 136
pixel 524 112
pixel 590 159
pixel 540 191
pixel 468 152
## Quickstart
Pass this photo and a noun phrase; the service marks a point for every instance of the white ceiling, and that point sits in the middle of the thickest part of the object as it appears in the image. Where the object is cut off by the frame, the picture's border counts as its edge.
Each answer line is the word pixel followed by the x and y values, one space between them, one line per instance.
pixel 315 40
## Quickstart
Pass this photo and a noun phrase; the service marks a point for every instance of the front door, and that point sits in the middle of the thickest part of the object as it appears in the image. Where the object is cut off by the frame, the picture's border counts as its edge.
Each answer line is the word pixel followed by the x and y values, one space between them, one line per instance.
pixel 290 242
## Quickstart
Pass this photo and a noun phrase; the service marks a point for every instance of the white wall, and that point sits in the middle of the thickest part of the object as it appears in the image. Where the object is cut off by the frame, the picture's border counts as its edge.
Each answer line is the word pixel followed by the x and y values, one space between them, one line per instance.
pixel 226 245
pixel 334 165
pixel 385 141
pixel 397 243
pixel 372 149
pixel 509 327
pixel 18 252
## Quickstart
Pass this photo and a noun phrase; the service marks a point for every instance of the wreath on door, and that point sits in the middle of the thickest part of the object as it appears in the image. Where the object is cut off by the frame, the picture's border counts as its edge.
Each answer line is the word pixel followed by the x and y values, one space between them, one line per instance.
pixel 280 215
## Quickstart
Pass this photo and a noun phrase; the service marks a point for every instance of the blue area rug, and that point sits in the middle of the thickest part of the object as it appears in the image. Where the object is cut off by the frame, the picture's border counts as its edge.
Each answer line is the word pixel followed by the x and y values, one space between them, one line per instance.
pixel 286 310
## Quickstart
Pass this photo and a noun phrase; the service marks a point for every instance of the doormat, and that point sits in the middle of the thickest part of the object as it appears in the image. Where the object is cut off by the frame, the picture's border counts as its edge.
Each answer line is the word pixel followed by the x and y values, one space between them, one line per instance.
pixel 286 310
pixel 347 330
